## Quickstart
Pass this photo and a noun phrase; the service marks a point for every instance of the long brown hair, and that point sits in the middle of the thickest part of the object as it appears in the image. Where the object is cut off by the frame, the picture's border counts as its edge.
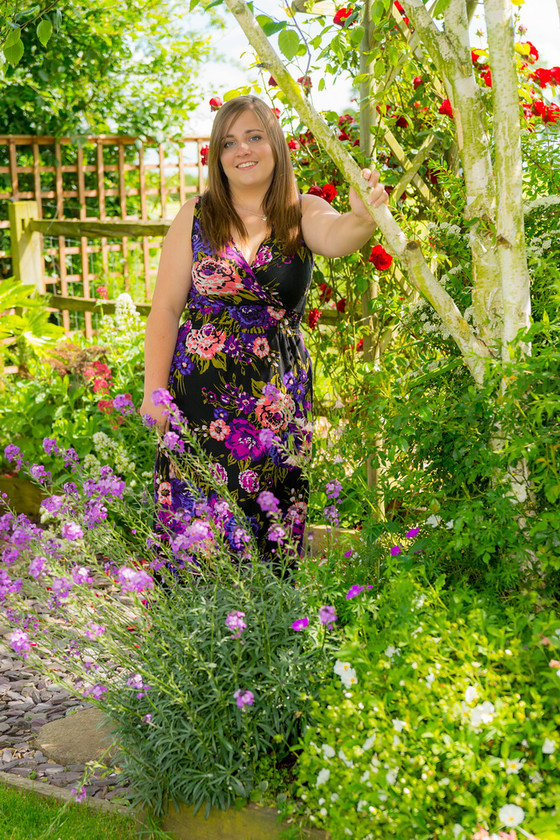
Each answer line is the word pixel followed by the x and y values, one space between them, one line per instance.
pixel 281 203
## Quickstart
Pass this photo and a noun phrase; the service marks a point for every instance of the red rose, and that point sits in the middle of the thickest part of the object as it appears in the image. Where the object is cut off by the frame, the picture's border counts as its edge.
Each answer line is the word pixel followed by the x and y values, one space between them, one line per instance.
pixel 417 81
pixel 388 189
pixel 347 118
pixel 293 145
pixel 475 55
pixel 305 82
pixel 398 7
pixel 204 155
pixel 539 108
pixel 555 73
pixel 356 143
pixel 380 258
pixel 306 138
pixel 343 136
pixel 329 192
pixel 552 114
pixel 315 190
pixel 272 82
pixel 342 14
pixel 445 108
pixel 341 304
pixel 527 110
pixel 313 318
pixel 326 292
pixel 487 78
pixel 542 76
pixel 533 51
pixel 276 112
pixel 402 122
pixel 360 345
pixel 215 103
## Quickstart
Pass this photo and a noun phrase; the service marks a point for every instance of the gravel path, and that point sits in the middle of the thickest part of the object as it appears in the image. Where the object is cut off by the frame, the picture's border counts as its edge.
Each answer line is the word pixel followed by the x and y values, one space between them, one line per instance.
pixel 27 701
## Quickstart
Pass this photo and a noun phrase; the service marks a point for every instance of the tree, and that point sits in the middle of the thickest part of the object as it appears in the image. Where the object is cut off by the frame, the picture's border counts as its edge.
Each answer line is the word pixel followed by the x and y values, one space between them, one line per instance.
pixel 100 68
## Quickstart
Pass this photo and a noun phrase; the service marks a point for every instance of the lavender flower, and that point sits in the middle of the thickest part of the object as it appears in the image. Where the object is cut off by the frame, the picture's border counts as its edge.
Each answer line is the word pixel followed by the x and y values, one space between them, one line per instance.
pixel 71 457
pixel 72 531
pixel 161 396
pixel 276 533
pixel 173 442
pixel 268 502
pixel 79 795
pixel 50 446
pixel 136 682
pixel 235 623
pixel 61 586
pixel 13 453
pixel 93 630
pixel 39 473
pixel 124 404
pixel 328 616
pixel 353 591
pixel 332 515
pixel 37 566
pixel 412 533
pixel 81 575
pixel 333 489
pixel 243 698
pixel 53 503
pixel 134 580
pixel 300 624
pixel 149 421
pixel 396 549
pixel 19 641
pixel 97 691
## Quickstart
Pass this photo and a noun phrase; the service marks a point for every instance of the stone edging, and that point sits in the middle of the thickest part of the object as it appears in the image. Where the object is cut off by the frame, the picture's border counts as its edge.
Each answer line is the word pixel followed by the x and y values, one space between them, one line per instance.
pixel 60 794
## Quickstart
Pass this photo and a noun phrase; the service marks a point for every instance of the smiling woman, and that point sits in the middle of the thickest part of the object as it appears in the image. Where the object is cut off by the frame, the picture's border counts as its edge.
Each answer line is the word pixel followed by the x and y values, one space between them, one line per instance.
pixel 237 264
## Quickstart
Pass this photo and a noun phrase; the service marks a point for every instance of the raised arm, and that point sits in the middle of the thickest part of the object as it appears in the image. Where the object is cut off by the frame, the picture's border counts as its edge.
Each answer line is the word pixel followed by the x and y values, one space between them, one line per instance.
pixel 170 296
pixel 331 234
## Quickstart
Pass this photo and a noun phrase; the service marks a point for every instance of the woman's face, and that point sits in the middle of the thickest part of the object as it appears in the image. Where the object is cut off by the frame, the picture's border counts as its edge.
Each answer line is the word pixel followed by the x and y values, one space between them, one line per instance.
pixel 246 154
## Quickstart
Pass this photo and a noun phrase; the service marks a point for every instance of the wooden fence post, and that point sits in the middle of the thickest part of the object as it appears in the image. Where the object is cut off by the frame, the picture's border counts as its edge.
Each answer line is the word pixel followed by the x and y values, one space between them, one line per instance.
pixel 26 245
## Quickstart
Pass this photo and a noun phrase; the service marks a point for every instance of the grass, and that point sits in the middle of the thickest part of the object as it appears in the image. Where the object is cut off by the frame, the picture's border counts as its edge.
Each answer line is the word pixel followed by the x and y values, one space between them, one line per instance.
pixel 27 816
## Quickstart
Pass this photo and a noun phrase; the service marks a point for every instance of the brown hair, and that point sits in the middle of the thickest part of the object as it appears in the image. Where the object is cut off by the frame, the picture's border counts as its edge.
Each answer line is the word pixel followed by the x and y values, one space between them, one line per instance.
pixel 281 202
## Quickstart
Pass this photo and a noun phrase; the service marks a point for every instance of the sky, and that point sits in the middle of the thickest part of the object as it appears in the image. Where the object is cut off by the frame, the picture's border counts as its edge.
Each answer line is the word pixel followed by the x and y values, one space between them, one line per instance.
pixel 541 17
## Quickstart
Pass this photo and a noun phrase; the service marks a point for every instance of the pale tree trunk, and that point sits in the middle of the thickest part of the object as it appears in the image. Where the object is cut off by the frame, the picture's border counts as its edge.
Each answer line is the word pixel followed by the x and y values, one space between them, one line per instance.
pixel 475 351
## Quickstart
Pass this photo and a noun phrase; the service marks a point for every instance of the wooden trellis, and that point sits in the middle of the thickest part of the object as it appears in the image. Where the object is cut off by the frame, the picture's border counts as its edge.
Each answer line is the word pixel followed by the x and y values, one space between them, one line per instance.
pixel 103 178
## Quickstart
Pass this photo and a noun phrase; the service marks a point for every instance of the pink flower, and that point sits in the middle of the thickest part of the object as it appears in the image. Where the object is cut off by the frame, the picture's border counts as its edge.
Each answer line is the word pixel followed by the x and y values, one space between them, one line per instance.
pixel 243 698
pixel 353 591
pixel 412 533
pixel 215 103
pixel 300 624
pixel 72 531
pixel 396 549
pixel 261 347
pixel 204 150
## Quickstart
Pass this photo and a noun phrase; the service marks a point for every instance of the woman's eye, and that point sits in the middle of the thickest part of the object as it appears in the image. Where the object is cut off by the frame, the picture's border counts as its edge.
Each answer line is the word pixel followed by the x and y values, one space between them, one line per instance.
pixel 256 137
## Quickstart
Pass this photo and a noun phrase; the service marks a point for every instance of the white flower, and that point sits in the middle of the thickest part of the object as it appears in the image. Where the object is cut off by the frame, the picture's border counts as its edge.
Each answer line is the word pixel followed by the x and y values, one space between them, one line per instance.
pixel 391 776
pixel 369 743
pixel 471 694
pixel 548 747
pixel 483 713
pixel 382 795
pixel 511 815
pixel 391 651
pixel 328 751
pixel 536 778
pixel 323 776
pixel 513 765
pixel 346 673
pixel 361 805
pixel 429 679
pixel 344 759
pixel 458 829
pixel 433 520
pixel 365 778
pixel 399 725
pixel 334 797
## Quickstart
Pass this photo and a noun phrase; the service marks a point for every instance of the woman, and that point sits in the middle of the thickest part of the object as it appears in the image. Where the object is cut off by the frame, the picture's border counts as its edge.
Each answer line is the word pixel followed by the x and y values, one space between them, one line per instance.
pixel 237 263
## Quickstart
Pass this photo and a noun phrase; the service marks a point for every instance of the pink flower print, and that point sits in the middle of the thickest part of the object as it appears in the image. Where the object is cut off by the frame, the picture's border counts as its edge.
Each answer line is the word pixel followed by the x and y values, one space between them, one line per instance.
pixel 218 471
pixel 261 347
pixel 164 493
pixel 264 256
pixel 277 314
pixel 275 413
pixel 216 277
pixel 249 481
pixel 219 429
pixel 205 342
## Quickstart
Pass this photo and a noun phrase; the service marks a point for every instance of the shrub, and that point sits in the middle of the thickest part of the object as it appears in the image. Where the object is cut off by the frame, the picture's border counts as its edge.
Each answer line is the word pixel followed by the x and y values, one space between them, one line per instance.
pixel 441 711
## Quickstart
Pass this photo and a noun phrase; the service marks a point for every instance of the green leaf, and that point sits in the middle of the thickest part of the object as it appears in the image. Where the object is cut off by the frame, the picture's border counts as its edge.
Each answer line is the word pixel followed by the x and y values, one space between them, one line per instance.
pixel 356 36
pixel 269 26
pixel 44 31
pixel 289 43
pixel 440 7
pixel 14 53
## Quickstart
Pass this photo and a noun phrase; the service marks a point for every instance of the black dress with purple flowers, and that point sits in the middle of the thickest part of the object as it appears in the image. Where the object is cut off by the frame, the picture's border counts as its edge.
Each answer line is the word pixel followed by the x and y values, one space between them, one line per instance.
pixel 241 375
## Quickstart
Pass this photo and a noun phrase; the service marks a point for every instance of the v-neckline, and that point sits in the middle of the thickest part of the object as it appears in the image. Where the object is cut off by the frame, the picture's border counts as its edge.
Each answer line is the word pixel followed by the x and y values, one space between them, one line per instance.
pixel 251 264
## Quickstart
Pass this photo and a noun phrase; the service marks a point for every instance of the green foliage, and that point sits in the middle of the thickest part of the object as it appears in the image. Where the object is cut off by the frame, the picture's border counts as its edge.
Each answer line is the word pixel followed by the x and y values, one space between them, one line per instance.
pixel 79 71
pixel 454 714
pixel 25 327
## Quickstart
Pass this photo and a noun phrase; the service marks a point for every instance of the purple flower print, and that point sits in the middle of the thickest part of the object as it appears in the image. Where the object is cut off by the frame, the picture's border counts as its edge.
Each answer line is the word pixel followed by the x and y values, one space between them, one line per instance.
pixel 72 531
pixel 327 616
pixel 235 623
pixel 268 438
pixel 249 481
pixel 300 624
pixel 243 441
pixel 243 698
pixel 249 316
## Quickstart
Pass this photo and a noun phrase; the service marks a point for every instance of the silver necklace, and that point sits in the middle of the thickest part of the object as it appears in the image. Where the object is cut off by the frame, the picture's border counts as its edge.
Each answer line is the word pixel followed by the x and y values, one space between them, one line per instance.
pixel 253 213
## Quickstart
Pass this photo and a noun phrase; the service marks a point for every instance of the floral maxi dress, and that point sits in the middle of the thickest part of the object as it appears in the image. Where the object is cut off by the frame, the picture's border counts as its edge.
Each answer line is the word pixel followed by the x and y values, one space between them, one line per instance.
pixel 241 375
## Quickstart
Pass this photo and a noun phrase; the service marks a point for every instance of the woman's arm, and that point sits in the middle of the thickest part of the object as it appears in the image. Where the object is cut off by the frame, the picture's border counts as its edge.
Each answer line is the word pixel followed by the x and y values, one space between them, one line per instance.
pixel 170 296
pixel 330 234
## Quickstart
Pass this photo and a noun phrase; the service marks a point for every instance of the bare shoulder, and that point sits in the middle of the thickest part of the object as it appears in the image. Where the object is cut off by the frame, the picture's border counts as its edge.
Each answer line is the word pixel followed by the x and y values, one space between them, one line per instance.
pixel 183 219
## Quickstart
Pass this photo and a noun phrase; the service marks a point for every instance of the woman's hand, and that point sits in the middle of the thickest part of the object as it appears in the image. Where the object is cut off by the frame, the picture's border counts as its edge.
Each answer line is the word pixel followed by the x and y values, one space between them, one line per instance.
pixel 157 412
pixel 377 195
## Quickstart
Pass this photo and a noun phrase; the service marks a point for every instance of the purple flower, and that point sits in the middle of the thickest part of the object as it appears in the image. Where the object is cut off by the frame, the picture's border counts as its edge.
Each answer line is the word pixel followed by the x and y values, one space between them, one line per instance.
pixel 94 513
pixel 235 623
pixel 243 698
pixel 79 795
pixel 13 453
pixel 161 396
pixel 147 718
pixel 124 404
pixel 173 442
pixel 96 691
pixel 39 473
pixel 276 533
pixel 412 533
pixel 134 580
pixel 136 682
pixel 328 615
pixel 7 585
pixel 148 420
pixel 268 502
pixel 61 586
pixel 349 553
pixel 300 624
pixel 50 446
pixel 10 555
pixel 93 630
pixel 70 457
pixel 81 575
pixel 72 531
pixel 20 642
pixel 268 438
pixel 353 591
pixel 37 566
pixel 53 503
pixel 249 481
pixel 331 515
pixel 396 549
pixel 333 489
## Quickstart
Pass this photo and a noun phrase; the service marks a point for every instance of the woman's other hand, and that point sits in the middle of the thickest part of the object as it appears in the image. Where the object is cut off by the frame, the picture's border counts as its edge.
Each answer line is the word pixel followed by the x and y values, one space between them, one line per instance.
pixel 377 194
pixel 157 413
